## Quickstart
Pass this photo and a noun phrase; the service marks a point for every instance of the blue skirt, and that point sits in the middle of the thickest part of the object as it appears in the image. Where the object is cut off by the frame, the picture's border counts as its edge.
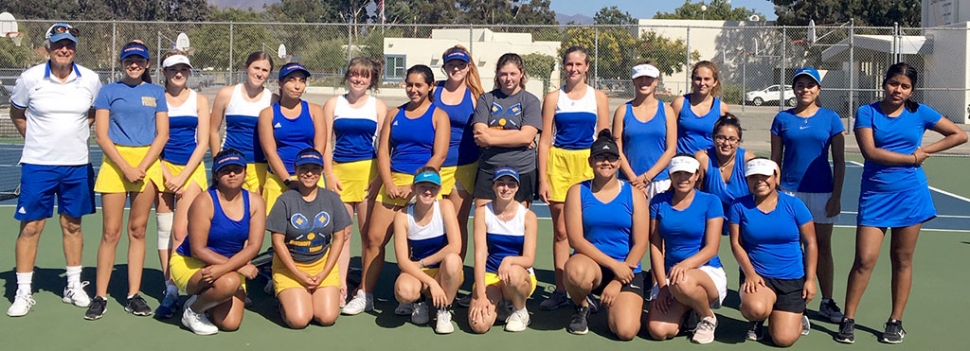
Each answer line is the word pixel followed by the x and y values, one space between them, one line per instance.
pixel 896 209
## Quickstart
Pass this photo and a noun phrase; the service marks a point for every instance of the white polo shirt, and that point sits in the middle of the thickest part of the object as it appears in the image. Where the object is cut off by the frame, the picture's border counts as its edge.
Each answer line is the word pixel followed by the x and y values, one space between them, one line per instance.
pixel 57 114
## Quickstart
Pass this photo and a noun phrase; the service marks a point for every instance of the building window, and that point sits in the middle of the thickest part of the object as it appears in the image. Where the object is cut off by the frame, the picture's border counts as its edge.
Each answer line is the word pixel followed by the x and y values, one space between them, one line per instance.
pixel 395 69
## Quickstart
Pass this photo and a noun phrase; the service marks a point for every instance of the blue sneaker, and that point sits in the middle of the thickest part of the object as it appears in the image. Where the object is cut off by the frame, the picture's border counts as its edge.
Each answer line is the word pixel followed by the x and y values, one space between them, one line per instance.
pixel 168 307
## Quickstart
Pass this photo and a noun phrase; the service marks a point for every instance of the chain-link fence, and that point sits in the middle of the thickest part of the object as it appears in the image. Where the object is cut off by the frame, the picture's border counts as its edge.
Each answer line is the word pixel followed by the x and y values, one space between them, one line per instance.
pixel 756 60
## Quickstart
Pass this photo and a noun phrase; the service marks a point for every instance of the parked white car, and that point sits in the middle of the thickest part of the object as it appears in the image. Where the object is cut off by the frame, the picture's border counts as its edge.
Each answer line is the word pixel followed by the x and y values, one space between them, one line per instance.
pixel 770 95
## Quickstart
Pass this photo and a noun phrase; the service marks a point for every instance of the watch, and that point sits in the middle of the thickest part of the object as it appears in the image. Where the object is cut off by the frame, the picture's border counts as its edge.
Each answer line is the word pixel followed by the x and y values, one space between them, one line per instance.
pixel 287 181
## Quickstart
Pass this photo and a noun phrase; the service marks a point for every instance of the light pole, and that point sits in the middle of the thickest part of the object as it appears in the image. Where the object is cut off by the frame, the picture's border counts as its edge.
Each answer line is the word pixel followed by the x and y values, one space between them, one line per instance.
pixel 703 11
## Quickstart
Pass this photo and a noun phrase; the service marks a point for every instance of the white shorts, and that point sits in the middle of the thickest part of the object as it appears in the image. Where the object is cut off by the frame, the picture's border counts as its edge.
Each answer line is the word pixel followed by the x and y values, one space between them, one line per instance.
pixel 717 276
pixel 816 204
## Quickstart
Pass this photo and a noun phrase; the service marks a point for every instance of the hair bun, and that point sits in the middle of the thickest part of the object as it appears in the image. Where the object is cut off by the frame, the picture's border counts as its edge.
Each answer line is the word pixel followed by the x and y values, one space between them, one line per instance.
pixel 605 133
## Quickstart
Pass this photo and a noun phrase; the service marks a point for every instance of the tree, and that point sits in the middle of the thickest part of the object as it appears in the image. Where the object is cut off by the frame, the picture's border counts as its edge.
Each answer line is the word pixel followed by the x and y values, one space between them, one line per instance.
pixel 302 11
pixel 539 66
pixel 613 15
pixel 719 10
pixel 212 41
pixel 866 13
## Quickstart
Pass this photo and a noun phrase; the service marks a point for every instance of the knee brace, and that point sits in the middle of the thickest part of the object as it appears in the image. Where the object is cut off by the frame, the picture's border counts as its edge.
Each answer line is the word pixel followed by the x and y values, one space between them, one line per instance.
pixel 164 221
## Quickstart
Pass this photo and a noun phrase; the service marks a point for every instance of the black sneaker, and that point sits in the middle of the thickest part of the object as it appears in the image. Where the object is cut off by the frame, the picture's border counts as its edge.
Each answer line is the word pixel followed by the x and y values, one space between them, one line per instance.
pixel 846 333
pixel 894 333
pixel 756 331
pixel 578 325
pixel 137 306
pixel 96 309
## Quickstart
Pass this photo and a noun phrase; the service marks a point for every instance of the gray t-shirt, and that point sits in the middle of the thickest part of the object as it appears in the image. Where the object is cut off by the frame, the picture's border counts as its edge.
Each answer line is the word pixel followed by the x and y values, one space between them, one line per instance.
pixel 508 112
pixel 308 226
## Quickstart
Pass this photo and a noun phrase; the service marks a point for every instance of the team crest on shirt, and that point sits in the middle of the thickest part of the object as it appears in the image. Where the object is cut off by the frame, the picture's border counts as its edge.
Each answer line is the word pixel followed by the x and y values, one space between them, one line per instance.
pixel 502 117
pixel 321 219
pixel 312 240
pixel 299 222
pixel 148 101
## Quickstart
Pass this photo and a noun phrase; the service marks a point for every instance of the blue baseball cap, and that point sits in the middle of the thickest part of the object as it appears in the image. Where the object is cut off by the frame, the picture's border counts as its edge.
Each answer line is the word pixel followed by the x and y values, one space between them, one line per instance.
pixel 428 177
pixel 135 49
pixel 459 55
pixel 506 171
pixel 807 71
pixel 229 159
pixel 308 157
pixel 291 67
pixel 61 31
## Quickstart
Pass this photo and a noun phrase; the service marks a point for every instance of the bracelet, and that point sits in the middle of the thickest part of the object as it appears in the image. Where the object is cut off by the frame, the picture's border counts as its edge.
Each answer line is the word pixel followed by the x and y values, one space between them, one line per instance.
pixel 915 159
pixel 421 263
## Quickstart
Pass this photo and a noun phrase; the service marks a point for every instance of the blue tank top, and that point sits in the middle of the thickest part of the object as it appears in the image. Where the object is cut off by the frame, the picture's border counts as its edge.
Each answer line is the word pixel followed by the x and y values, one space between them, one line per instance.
pixel 241 118
pixel 462 149
pixel 292 135
pixel 226 236
pixel 608 226
pixel 714 184
pixel 428 239
pixel 694 133
pixel 183 126
pixel 504 238
pixel 412 141
pixel 645 142
pixel 575 121
pixel 354 131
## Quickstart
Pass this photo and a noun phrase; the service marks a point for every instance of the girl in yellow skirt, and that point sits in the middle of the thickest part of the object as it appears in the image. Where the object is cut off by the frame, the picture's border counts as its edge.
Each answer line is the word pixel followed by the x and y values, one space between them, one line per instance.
pixel 306 223
pixel 285 128
pixel 354 119
pixel 571 117
pixel 415 137
pixel 183 173
pixel 131 124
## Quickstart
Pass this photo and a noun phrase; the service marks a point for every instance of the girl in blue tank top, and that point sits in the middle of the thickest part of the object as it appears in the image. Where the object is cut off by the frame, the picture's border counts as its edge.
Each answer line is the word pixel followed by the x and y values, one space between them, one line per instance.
pixel 228 227
pixel 288 126
pixel 417 136
pixel 647 140
pixel 698 111
pixel 607 225
pixel 722 166
pixel 183 173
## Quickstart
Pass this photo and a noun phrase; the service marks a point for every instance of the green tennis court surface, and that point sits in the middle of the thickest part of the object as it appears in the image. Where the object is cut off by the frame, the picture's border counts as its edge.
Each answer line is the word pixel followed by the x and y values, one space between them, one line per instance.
pixel 934 317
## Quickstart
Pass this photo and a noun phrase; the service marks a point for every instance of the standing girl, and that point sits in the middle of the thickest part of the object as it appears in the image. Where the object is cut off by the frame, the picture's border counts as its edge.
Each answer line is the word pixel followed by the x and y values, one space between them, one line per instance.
pixel 131 125
pixel 571 116
pixel 183 173
pixel 698 111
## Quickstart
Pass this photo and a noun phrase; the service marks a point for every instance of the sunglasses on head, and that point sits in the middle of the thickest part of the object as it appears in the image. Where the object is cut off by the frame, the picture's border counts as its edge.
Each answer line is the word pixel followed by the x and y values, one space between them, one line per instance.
pixel 59 29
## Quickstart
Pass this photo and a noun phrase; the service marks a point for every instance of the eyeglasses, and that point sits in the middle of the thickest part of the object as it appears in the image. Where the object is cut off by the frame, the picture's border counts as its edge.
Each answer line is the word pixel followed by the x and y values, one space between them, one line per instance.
pixel 601 158
pixel 60 29
pixel 727 139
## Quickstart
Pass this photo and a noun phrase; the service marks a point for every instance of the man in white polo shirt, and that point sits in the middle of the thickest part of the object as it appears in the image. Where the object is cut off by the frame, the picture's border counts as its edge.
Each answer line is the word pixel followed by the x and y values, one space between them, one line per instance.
pixel 51 108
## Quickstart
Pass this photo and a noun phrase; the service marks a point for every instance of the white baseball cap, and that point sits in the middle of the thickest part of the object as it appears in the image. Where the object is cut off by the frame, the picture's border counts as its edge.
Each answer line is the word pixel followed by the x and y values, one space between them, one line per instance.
pixel 175 60
pixel 684 164
pixel 644 70
pixel 762 166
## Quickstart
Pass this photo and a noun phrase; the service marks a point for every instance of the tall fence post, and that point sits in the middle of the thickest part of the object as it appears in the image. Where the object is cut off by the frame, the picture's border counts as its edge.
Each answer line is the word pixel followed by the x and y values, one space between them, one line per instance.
pixel 114 49
pixel 781 71
pixel 687 64
pixel 852 89
pixel 158 56
pixel 232 71
pixel 596 54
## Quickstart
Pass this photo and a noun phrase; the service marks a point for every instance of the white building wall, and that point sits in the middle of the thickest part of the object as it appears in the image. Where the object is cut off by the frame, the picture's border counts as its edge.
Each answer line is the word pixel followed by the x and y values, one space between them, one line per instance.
pixel 947 66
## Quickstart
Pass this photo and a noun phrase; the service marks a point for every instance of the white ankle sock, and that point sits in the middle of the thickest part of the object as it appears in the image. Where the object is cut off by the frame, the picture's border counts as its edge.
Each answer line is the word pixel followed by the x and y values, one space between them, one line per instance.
pixel 73 276
pixel 23 282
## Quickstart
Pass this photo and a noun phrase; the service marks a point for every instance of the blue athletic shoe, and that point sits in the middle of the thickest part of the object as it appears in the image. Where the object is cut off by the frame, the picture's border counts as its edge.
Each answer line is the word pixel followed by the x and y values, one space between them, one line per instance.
pixel 168 307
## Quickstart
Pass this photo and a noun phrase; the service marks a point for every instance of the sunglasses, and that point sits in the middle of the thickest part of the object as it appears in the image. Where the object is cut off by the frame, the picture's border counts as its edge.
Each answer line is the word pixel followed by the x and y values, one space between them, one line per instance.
pixel 60 29
pixel 601 158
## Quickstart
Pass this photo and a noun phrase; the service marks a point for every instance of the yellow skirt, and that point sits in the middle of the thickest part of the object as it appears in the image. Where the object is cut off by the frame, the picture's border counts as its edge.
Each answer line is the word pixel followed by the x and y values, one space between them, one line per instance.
pixel 197 176
pixel 284 279
pixel 564 168
pixel 493 279
pixel 274 187
pixel 112 180
pixel 461 176
pixel 183 268
pixel 255 177
pixel 354 178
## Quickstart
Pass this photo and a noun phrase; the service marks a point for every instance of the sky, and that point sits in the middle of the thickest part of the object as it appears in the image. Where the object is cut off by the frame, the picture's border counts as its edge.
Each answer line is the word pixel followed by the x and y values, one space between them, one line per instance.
pixel 647 8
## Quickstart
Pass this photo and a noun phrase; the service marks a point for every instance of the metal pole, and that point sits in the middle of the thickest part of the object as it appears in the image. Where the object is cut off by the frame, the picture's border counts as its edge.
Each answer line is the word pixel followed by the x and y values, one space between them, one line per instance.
pixel 232 71
pixel 158 57
pixel 349 36
pixel 687 64
pixel 851 73
pixel 114 39
pixel 596 54
pixel 744 79
pixel 781 71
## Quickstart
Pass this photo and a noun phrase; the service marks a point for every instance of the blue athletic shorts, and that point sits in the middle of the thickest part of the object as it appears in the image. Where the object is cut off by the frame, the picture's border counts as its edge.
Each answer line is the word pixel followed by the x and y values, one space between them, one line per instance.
pixel 73 185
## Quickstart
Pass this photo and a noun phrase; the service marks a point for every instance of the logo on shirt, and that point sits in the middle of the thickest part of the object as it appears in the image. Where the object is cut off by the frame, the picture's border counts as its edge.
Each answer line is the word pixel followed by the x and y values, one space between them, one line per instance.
pixel 502 117
pixel 395 123
pixel 277 125
pixel 22 210
pixel 148 101
pixel 803 127
pixel 312 241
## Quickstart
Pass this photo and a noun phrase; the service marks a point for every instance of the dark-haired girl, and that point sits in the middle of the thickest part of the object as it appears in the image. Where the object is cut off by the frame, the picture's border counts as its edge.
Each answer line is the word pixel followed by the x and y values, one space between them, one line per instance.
pixel 698 111
pixel 722 166
pixel 895 192
pixel 608 228
pixel 239 106
pixel 571 116
pixel 131 125
pixel 416 136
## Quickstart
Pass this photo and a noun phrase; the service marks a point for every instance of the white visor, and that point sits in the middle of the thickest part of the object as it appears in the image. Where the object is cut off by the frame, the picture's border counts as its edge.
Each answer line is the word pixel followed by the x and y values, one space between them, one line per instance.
pixel 176 59
pixel 684 164
pixel 644 70
pixel 760 166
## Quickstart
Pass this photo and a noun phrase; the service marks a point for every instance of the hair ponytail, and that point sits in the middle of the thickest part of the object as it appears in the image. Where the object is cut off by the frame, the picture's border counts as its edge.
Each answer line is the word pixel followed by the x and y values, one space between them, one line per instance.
pixel 727 120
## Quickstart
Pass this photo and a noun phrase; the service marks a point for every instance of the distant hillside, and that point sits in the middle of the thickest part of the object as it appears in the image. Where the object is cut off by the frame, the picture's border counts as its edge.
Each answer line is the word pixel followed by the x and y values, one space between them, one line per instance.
pixel 242 4
pixel 579 19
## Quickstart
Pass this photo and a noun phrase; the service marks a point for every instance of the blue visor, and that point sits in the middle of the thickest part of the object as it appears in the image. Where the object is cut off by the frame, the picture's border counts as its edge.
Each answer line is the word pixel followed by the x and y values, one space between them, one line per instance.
pixel 506 171
pixel 428 177
pixel 308 157
pixel 458 55
pixel 291 67
pixel 229 160
pixel 134 49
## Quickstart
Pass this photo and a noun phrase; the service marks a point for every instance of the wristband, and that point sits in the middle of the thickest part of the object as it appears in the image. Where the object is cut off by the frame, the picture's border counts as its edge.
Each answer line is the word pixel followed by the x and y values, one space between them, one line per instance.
pixel 915 159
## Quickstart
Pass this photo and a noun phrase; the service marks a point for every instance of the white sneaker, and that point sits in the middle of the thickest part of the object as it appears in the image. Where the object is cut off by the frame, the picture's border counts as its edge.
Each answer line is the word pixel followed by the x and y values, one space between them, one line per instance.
pixel 704 333
pixel 76 295
pixel 360 303
pixel 419 313
pixel 518 321
pixel 404 309
pixel 21 305
pixel 444 325
pixel 806 325
pixel 198 323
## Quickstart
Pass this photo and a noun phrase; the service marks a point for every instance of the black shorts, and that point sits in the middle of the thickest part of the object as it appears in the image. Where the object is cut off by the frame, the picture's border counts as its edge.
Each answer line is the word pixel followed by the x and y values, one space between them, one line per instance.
pixel 788 292
pixel 635 285
pixel 528 182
